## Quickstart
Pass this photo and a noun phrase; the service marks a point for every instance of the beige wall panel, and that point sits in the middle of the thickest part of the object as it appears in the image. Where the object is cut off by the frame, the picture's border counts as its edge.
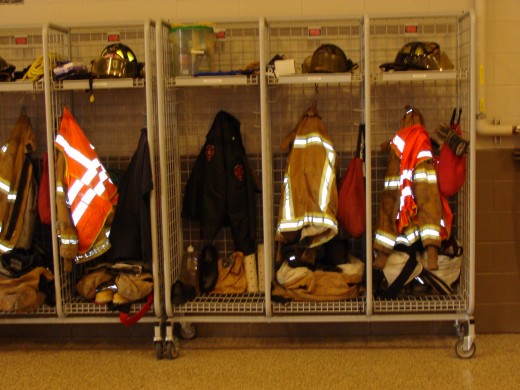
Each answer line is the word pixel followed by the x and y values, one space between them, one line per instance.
pixel 269 8
pixel 449 5
pixel 332 7
pixel 503 103
pixel 503 37
pixel 505 68
pixel 394 7
pixel 504 9
pixel 206 9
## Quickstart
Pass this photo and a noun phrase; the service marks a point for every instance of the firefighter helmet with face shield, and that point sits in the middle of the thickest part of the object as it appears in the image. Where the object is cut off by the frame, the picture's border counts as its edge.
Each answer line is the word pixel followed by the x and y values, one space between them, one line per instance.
pixel 419 56
pixel 117 60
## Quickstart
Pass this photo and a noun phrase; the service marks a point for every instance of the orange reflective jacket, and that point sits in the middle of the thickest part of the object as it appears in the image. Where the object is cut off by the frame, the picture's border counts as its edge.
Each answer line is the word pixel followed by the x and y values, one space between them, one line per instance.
pixel 90 193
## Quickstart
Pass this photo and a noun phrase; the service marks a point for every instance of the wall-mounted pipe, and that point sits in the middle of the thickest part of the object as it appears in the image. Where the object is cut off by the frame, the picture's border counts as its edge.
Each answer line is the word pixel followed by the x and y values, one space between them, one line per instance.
pixel 496 129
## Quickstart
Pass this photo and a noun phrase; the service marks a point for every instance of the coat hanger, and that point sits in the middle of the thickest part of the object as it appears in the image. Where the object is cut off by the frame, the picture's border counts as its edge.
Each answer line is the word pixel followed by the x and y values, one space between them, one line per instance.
pixel 313 109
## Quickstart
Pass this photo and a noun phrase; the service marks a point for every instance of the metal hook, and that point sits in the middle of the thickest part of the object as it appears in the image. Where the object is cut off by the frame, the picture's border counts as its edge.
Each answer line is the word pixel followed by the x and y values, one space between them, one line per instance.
pixel 315 102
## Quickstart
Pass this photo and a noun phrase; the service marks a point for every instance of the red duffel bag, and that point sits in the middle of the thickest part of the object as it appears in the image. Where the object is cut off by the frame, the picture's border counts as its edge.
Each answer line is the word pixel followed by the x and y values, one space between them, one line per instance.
pixel 451 171
pixel 351 194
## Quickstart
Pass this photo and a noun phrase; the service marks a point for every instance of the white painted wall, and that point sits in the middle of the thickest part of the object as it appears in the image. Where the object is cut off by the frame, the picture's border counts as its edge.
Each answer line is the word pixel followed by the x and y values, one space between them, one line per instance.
pixel 502 66
pixel 502 56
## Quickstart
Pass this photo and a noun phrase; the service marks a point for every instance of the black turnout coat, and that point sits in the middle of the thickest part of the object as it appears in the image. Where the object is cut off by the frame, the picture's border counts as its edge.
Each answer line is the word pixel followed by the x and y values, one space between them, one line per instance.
pixel 221 189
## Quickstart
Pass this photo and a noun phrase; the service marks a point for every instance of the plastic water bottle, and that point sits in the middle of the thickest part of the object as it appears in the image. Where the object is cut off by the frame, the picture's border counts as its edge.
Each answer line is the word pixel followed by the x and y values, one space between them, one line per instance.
pixel 192 268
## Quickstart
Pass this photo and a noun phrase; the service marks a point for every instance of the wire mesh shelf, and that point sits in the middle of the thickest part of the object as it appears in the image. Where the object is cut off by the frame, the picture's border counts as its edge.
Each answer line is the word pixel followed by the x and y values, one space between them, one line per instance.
pixel 421 304
pixel 236 304
pixel 354 306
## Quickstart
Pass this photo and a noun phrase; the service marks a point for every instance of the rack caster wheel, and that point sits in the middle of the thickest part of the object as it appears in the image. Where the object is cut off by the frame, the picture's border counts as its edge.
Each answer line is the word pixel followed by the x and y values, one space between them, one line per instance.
pixel 159 350
pixel 188 331
pixel 461 330
pixel 172 352
pixel 461 352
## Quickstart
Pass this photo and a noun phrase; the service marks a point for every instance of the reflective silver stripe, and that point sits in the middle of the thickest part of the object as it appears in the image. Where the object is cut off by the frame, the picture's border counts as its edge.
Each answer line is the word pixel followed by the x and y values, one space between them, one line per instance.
pixel 408 238
pixel 59 189
pixel 4 148
pixel 424 153
pixel 402 240
pixel 420 176
pixel 5 186
pixel 68 241
pixel 99 188
pixel 74 190
pixel 428 177
pixel 76 154
pixel 88 176
pixel 298 142
pixel 87 198
pixel 399 143
pixel 4 248
pixel 326 182
pixel 385 240
pixel 391 184
pixel 324 193
pixel 81 207
pixel 412 236
pixel 296 224
pixel 290 225
pixel 406 191
pixel 406 175
pixel 430 233
pixel 312 139
pixel 287 209
pixel 11 197
pixel 97 250
pixel 301 142
pixel 78 212
pixel 103 175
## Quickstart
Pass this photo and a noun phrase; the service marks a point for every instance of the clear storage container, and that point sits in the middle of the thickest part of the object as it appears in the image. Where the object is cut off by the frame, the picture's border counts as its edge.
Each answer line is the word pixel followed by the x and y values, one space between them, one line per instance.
pixel 193 49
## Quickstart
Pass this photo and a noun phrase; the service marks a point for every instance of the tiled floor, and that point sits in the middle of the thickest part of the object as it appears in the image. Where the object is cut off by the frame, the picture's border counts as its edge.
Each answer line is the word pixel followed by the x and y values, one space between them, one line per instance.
pixel 392 362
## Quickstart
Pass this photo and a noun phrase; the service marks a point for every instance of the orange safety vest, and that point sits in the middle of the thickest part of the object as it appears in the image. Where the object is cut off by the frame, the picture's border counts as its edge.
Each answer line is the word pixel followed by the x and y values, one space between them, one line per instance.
pixel 90 192
pixel 412 145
